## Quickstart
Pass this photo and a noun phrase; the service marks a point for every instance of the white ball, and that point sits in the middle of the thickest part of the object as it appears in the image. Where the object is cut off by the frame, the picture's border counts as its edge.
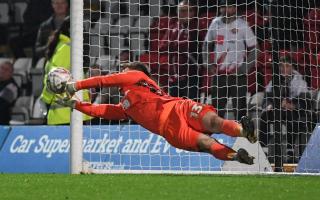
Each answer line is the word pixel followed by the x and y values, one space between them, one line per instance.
pixel 57 79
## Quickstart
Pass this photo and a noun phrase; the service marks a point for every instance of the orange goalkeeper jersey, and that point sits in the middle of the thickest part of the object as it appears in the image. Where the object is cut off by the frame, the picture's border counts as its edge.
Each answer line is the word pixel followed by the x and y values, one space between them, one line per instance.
pixel 143 100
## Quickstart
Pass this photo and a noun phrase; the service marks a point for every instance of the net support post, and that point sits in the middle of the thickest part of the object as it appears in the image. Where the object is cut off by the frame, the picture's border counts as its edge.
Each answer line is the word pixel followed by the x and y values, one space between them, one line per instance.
pixel 275 25
pixel 76 127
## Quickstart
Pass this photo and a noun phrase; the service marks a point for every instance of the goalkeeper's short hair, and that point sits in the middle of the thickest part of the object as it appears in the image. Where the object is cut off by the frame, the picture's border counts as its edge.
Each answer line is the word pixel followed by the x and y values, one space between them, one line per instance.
pixel 139 66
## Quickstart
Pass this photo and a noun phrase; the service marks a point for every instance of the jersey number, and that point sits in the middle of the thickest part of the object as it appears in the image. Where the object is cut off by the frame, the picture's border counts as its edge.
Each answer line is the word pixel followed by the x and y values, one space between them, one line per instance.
pixel 196 108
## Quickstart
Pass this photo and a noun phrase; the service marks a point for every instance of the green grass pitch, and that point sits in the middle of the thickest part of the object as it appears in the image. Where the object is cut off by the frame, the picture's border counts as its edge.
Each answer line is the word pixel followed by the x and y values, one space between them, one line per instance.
pixel 151 187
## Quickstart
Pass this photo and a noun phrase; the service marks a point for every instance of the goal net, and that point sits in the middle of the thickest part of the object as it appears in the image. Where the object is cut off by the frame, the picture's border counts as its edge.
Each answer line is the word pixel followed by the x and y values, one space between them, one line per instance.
pixel 245 57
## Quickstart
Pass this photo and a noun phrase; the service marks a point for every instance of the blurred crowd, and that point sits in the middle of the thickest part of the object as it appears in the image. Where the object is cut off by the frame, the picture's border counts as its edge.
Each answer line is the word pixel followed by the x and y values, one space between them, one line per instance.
pixel 233 54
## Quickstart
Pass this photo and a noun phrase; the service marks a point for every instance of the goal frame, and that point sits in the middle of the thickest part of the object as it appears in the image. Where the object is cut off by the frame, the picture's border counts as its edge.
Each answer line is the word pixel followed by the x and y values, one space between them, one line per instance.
pixel 77 163
pixel 76 127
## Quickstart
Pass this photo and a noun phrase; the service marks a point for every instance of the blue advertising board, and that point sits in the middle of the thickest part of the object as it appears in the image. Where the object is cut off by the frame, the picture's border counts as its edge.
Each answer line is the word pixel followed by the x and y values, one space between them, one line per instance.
pixel 33 150
pixel 45 149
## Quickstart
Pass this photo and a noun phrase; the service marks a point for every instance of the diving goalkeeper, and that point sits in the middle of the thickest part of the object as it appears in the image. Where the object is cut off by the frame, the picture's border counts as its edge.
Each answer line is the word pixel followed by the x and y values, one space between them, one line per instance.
pixel 184 123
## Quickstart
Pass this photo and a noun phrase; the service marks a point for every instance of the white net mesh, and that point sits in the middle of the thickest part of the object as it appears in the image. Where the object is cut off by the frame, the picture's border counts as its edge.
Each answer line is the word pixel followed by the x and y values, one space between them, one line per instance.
pixel 256 58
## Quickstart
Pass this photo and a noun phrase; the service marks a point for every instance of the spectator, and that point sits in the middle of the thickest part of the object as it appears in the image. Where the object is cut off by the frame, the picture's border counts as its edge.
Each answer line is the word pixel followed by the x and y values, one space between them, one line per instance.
pixel 158 60
pixel 295 107
pixel 182 44
pixel 60 11
pixel 160 26
pixel 8 92
pixel 229 53
pixel 36 12
pixel 58 55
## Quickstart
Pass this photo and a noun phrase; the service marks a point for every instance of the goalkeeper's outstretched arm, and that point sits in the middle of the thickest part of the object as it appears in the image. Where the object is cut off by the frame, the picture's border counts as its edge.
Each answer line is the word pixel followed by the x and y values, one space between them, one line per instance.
pixel 106 111
pixel 112 80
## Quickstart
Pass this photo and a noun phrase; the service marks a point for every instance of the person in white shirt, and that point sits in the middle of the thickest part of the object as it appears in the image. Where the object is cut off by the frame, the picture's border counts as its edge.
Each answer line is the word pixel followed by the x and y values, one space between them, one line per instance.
pixel 229 53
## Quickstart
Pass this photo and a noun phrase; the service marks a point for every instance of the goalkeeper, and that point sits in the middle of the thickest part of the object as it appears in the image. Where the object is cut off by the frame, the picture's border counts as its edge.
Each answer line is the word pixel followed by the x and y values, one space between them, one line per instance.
pixel 184 123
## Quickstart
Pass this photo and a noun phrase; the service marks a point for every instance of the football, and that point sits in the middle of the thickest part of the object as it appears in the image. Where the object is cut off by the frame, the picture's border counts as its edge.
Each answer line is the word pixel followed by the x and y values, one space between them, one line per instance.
pixel 57 79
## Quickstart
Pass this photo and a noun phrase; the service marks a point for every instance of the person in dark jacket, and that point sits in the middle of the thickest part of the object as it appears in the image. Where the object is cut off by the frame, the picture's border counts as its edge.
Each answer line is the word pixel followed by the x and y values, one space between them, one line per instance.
pixel 8 92
pixel 36 12
pixel 181 43
pixel 294 109
pixel 60 11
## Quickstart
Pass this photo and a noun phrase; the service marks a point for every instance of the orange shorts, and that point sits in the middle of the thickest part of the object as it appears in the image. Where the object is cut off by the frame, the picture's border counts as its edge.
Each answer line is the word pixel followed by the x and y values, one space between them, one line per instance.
pixel 184 124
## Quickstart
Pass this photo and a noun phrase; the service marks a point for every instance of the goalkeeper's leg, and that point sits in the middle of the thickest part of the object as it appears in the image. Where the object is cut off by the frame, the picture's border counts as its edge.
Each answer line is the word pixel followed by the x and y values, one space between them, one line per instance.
pixel 214 124
pixel 221 151
pixel 189 135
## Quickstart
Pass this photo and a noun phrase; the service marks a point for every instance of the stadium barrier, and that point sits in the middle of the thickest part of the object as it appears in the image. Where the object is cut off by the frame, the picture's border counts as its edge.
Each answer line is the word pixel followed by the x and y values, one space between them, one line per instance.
pixel 45 149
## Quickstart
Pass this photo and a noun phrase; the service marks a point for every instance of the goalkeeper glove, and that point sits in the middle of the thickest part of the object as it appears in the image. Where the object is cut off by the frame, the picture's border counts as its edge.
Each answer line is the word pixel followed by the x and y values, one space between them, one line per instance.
pixel 64 101
pixel 71 88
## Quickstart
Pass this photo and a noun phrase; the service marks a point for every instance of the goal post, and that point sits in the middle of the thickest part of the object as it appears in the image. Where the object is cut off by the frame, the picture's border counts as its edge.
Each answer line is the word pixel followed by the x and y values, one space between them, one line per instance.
pixel 76 127
pixel 174 43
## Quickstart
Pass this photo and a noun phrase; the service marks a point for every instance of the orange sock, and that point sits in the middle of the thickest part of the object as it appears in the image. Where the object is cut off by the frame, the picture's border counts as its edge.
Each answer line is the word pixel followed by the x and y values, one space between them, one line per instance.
pixel 222 151
pixel 231 128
